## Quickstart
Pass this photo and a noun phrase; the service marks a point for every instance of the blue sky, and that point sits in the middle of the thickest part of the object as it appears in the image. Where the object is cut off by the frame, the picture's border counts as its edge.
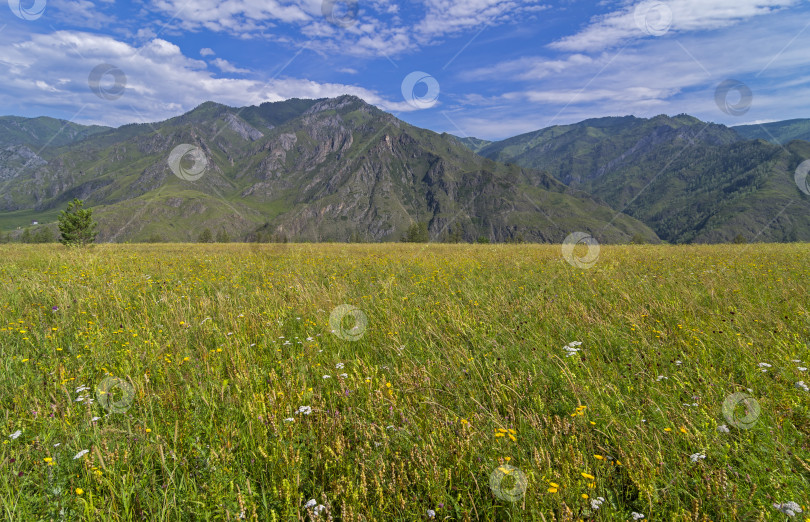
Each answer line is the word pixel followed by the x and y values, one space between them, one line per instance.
pixel 485 68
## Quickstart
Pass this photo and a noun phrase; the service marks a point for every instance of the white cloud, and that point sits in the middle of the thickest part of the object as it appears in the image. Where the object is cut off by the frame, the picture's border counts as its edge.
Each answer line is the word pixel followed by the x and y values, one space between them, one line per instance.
pixel 380 29
pixel 227 67
pixel 205 51
pixel 50 72
pixel 686 15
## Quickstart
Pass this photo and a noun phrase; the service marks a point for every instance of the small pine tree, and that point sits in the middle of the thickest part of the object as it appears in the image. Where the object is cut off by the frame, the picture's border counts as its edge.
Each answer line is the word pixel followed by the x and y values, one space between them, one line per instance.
pixel 206 236
pixel 739 239
pixel 223 237
pixel 76 225
pixel 26 236
pixel 417 233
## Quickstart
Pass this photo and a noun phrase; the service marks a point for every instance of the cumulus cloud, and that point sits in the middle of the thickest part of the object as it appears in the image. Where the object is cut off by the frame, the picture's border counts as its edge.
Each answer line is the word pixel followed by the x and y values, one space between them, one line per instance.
pixel 50 72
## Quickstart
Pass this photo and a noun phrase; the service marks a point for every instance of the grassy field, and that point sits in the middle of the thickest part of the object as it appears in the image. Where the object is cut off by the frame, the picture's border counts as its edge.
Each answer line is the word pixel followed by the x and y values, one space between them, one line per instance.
pixel 208 383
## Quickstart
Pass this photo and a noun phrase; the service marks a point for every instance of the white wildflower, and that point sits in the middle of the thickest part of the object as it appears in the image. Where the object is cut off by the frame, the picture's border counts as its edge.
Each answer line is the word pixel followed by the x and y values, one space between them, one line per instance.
pixel 311 503
pixel 596 503
pixel 289 419
pixel 94 419
pixel 431 513
pixel 661 378
pixel 14 435
pixel 306 410
pixel 722 428
pixel 802 369
pixel 81 454
pixel 802 386
pixel 339 366
pixel 678 363
pixel 788 508
pixel 636 516
pixel 327 376
pixel 344 375
pixel 696 457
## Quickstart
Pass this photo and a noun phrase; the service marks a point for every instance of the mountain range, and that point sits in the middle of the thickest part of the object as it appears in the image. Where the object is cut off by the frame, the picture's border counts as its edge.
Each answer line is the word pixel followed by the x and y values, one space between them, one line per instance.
pixel 340 169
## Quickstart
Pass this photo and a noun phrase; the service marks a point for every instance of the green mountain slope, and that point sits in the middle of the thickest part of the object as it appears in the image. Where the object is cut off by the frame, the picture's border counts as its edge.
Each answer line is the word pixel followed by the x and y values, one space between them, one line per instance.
pixel 688 180
pixel 779 132
pixel 315 170
pixel 39 133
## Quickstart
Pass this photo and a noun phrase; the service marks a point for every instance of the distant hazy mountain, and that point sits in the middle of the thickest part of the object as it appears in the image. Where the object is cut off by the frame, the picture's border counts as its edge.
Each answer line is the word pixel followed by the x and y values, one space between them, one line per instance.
pixel 686 179
pixel 779 132
pixel 313 170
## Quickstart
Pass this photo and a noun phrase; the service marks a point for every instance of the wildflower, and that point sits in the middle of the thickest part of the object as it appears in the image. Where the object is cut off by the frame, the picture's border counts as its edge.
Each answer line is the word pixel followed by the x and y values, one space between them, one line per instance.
pixel 596 503
pixel 788 508
pixel 16 434
pixel 431 513
pixel 79 491
pixel 344 375
pixel 722 428
pixel 327 376
pixel 802 369
pixel 552 490
pixel 802 386
pixel 696 456
pixel 587 476
pixel 598 457
pixel 571 349
pixel 48 459
pixel 94 419
pixel 306 410
pixel 81 454
pixel 310 503
pixel 339 366
pixel 678 363
pixel 683 430
pixel 636 516
pixel 289 419
pixel 661 378
pixel 764 365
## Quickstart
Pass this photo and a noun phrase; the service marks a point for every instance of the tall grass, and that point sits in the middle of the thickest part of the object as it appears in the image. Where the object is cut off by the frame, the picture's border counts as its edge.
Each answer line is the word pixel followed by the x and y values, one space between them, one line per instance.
pixel 458 389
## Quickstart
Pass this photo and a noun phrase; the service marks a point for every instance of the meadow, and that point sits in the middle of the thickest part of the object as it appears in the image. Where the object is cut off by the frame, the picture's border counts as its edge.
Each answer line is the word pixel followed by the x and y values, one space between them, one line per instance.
pixel 404 382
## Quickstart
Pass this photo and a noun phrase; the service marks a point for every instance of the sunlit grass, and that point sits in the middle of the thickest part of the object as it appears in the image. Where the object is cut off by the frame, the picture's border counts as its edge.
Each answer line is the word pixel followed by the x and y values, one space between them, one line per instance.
pixel 461 374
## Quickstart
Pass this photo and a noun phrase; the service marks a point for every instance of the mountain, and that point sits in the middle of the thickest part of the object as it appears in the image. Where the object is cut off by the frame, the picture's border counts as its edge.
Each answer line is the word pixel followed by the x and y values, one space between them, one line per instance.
pixel 38 133
pixel 474 144
pixel 306 170
pixel 778 132
pixel 690 181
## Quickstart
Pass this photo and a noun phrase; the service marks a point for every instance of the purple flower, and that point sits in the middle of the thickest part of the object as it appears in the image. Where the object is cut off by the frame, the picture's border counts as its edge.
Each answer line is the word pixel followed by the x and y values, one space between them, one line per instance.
pixel 55 308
